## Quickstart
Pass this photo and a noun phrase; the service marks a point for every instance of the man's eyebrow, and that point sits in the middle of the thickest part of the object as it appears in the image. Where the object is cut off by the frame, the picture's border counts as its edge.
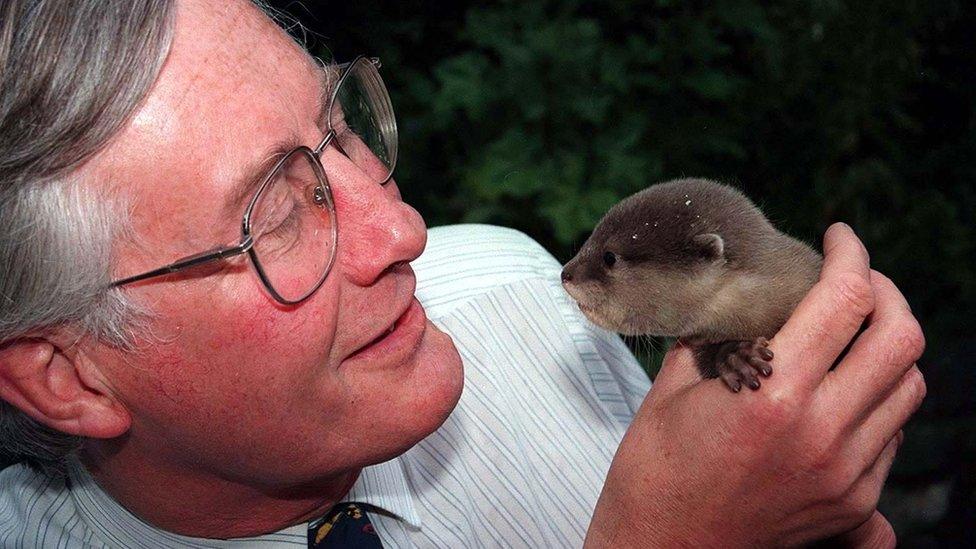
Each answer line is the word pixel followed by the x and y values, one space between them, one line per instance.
pixel 255 174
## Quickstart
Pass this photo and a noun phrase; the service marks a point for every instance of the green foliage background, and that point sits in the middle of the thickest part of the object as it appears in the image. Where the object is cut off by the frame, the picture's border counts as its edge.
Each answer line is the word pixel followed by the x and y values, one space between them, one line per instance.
pixel 540 115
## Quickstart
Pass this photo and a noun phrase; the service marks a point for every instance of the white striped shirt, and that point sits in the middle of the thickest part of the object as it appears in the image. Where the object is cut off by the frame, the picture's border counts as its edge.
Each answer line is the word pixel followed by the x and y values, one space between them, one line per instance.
pixel 520 462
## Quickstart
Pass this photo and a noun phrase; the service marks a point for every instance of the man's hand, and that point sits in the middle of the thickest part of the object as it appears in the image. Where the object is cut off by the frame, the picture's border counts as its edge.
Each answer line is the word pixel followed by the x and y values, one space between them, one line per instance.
pixel 801 459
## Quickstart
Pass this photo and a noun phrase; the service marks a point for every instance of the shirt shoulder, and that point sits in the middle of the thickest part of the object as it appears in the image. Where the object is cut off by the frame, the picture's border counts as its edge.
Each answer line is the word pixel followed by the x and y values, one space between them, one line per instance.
pixel 37 510
pixel 464 261
pixel 471 263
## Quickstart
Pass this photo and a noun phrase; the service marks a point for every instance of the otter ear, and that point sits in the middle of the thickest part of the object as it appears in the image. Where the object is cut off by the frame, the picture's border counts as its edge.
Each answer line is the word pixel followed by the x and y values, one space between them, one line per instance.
pixel 710 246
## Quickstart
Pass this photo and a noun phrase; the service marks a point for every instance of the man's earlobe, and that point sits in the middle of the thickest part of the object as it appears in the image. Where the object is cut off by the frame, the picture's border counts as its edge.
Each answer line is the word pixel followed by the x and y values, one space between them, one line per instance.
pixel 43 382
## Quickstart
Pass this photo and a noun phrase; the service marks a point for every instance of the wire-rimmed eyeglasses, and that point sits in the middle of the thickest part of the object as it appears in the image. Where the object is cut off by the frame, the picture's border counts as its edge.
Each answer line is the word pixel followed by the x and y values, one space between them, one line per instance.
pixel 289 229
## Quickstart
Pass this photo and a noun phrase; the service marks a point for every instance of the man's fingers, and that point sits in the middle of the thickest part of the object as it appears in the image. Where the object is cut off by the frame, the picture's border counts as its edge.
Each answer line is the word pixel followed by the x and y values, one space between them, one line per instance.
pixel 862 501
pixel 875 533
pixel 869 486
pixel 831 313
pixel 678 371
pixel 887 420
pixel 881 355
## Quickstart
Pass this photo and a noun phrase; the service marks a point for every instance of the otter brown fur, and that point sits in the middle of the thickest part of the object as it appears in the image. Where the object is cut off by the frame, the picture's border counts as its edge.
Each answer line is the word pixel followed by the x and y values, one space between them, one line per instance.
pixel 696 260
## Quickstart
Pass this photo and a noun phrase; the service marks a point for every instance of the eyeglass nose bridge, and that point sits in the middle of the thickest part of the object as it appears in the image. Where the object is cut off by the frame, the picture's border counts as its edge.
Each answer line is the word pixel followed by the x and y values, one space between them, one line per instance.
pixel 329 138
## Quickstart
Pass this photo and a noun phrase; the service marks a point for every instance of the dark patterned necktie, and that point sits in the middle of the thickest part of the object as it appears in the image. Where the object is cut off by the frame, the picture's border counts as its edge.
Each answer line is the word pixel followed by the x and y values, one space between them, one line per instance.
pixel 345 526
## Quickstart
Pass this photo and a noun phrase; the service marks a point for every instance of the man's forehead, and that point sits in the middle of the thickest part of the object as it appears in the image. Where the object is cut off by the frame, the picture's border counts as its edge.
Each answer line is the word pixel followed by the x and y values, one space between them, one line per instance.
pixel 224 58
pixel 232 86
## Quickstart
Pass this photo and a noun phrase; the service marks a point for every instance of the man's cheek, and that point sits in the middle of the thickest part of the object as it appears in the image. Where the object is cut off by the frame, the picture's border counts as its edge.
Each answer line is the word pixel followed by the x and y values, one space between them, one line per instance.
pixel 273 348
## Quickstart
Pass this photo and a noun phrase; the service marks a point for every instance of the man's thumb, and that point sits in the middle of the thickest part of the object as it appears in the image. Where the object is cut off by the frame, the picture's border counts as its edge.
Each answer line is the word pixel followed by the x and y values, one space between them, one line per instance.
pixel 876 533
pixel 677 372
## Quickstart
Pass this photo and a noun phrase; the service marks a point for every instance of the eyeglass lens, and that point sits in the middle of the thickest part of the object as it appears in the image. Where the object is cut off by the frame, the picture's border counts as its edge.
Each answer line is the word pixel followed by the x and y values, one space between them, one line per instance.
pixel 293 227
pixel 293 221
pixel 363 120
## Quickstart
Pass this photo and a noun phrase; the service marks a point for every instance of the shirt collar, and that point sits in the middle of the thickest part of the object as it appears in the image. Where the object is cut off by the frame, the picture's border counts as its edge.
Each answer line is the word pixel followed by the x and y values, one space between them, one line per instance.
pixel 384 486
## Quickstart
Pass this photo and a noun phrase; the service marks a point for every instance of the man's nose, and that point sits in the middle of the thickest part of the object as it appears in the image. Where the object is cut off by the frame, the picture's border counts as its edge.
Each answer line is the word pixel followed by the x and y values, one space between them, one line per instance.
pixel 376 228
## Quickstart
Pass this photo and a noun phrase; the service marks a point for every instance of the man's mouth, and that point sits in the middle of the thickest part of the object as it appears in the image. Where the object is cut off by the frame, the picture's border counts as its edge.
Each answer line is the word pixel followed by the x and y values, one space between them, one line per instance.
pixel 383 335
pixel 396 342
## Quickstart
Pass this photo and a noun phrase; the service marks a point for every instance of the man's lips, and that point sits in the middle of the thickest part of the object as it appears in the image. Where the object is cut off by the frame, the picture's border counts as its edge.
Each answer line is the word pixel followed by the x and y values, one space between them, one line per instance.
pixel 392 346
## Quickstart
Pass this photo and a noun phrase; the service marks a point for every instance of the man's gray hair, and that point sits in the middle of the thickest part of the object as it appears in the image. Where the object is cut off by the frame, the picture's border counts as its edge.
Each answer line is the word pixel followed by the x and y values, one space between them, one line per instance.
pixel 72 74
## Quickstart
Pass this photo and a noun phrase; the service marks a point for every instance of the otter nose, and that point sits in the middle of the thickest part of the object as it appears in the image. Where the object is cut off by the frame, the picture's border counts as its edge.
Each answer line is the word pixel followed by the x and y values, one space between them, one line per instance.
pixel 567 276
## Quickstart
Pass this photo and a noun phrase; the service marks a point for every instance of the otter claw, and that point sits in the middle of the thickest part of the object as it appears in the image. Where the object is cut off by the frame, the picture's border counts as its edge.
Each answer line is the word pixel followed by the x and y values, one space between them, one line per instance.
pixel 742 362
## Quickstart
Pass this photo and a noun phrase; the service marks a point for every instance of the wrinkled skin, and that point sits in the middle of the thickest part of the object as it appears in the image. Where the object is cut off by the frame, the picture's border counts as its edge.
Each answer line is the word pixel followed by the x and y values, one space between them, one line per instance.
pixel 237 402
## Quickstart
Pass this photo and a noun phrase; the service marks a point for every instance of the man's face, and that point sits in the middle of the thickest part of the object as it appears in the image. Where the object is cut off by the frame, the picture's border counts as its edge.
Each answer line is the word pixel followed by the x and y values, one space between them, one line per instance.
pixel 232 383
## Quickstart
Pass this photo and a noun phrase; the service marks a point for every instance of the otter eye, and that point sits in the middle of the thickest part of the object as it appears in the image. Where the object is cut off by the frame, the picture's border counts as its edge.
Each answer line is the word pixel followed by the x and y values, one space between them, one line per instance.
pixel 609 259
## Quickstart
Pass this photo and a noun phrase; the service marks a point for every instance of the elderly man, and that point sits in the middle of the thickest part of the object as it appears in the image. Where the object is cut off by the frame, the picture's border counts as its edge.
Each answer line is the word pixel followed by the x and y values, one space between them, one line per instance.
pixel 211 326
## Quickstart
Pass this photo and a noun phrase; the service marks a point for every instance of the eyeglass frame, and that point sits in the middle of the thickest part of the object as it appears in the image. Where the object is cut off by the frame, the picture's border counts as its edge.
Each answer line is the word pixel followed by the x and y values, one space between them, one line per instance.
pixel 246 244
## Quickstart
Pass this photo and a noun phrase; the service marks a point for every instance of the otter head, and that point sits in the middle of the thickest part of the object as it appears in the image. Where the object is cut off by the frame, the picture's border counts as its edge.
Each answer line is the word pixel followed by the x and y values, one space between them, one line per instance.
pixel 649 267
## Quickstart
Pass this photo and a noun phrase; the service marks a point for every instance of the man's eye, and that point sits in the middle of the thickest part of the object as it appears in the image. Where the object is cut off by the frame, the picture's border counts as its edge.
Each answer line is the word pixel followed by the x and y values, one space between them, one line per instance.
pixel 288 225
pixel 276 215
pixel 344 132
pixel 282 235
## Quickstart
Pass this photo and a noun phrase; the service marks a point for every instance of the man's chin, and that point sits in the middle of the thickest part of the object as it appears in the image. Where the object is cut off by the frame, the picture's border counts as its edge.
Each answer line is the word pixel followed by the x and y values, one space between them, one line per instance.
pixel 438 380
pixel 437 390
pixel 409 402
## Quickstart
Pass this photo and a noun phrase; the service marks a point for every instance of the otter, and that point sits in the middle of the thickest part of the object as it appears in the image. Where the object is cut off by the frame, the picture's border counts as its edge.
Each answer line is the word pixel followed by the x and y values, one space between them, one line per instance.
pixel 695 260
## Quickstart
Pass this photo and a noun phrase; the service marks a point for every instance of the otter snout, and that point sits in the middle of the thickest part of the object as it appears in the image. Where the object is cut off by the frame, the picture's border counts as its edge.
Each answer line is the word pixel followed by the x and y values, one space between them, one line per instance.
pixel 579 283
pixel 579 270
pixel 567 276
pixel 568 272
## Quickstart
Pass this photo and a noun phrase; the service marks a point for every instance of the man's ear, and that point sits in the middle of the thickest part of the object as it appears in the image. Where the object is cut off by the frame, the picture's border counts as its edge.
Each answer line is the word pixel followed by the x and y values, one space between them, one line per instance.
pixel 53 388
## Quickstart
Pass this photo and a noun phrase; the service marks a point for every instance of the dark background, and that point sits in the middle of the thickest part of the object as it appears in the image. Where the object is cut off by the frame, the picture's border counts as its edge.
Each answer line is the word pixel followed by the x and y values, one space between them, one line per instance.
pixel 541 115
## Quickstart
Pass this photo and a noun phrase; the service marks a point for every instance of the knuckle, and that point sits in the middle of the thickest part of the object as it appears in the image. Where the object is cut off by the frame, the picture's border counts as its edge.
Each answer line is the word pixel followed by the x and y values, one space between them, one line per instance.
pixel 777 407
pixel 837 472
pixel 837 489
pixel 915 385
pixel 823 460
pixel 854 292
pixel 909 341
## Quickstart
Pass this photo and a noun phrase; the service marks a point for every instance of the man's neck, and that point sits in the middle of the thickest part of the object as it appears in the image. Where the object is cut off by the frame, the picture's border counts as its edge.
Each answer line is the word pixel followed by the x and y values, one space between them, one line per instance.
pixel 194 503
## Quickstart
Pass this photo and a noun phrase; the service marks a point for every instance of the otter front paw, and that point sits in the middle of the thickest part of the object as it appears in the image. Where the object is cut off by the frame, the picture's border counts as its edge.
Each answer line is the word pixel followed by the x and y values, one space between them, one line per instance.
pixel 737 362
pixel 742 362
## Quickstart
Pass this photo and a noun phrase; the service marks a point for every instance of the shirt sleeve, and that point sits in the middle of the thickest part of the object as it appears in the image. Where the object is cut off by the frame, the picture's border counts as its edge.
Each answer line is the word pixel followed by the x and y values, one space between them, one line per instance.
pixel 463 262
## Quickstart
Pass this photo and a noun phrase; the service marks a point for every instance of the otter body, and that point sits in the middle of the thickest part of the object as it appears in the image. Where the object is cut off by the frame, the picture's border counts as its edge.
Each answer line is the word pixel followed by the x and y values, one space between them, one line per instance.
pixel 696 260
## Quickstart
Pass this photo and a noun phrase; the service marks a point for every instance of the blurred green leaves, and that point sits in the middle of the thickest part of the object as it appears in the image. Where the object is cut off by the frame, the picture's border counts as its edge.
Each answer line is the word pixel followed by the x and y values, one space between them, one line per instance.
pixel 539 115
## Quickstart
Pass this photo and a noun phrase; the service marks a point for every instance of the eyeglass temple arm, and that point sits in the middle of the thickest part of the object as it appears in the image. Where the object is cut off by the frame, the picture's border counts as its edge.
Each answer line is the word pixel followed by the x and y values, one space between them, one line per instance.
pixel 190 261
pixel 374 60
